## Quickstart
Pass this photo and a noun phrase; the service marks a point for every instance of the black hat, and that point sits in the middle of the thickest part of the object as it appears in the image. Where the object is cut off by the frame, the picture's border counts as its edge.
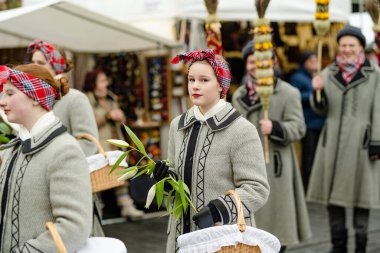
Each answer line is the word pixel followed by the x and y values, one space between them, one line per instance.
pixel 305 56
pixel 247 50
pixel 349 30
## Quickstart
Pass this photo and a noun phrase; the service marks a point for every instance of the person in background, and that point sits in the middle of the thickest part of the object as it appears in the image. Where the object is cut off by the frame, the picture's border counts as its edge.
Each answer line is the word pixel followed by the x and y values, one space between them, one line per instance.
pixel 44 175
pixel 74 109
pixel 213 149
pixel 109 118
pixel 285 214
pixel 346 173
pixel 301 79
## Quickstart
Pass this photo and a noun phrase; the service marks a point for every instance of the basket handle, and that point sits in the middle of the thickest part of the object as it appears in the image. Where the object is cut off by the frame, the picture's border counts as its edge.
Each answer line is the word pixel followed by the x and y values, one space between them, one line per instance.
pixel 56 237
pixel 240 222
pixel 94 140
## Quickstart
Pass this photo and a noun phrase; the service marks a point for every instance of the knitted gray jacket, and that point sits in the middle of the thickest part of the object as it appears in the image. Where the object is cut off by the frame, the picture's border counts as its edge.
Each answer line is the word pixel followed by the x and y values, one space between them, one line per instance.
pixel 212 157
pixel 42 179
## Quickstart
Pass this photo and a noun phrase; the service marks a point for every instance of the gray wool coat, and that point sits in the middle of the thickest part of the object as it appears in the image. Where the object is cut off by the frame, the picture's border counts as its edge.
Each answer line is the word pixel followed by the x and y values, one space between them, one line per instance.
pixel 76 114
pixel 342 173
pixel 43 179
pixel 225 154
pixel 285 214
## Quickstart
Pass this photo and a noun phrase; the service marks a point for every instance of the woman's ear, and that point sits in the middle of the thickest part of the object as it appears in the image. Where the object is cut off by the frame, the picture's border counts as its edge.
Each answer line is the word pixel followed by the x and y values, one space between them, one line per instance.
pixel 35 103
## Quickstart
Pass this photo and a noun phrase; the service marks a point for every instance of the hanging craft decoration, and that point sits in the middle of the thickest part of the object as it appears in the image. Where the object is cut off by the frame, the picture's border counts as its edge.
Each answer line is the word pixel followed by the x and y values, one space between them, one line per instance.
pixel 213 26
pixel 263 54
pixel 321 25
pixel 373 8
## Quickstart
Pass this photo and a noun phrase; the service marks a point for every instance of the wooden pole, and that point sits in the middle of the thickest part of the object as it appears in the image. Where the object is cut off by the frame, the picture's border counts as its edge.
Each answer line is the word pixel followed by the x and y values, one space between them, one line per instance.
pixel 266 139
pixel 319 69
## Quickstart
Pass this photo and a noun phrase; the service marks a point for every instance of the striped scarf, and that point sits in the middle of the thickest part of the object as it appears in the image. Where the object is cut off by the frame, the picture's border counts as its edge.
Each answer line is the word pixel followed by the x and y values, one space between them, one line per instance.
pixel 349 69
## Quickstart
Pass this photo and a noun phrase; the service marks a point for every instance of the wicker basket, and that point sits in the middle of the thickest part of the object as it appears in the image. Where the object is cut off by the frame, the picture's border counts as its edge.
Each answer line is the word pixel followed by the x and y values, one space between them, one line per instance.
pixel 236 238
pixel 101 180
pixel 239 248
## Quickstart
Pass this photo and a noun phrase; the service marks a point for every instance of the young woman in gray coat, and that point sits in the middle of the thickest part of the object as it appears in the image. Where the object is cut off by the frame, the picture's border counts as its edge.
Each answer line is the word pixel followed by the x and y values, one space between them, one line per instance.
pixel 213 149
pixel 43 174
pixel 74 110
pixel 285 214
pixel 345 172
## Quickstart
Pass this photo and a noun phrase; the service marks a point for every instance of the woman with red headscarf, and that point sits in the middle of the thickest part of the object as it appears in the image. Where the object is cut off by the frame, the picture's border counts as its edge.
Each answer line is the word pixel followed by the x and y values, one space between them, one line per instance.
pixel 44 175
pixel 213 149
pixel 74 110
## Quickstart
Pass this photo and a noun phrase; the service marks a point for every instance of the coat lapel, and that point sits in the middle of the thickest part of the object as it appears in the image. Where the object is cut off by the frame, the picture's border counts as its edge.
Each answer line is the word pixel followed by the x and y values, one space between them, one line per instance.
pixel 41 140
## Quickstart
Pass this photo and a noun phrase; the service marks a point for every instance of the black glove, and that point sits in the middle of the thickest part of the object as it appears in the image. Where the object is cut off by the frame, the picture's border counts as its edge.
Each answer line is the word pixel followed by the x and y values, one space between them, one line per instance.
pixel 160 170
pixel 207 216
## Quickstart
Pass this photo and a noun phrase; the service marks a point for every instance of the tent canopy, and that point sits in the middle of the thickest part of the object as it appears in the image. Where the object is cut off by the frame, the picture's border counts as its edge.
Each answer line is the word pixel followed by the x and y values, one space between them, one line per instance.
pixel 74 27
pixel 278 10
pixel 228 10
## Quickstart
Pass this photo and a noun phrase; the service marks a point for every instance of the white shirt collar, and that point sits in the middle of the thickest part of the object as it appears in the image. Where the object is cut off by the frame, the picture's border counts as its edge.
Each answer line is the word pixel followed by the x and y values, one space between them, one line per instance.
pixel 210 113
pixel 42 123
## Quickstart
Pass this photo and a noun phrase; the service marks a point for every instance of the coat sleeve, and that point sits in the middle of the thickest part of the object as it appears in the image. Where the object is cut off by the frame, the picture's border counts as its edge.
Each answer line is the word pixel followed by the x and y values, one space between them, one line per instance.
pixel 71 202
pixel 82 120
pixel 374 145
pixel 249 173
pixel 292 125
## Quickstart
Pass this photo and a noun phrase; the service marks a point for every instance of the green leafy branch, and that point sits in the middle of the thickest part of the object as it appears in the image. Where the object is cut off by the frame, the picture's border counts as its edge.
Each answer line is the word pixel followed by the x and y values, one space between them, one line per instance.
pixel 4 131
pixel 179 190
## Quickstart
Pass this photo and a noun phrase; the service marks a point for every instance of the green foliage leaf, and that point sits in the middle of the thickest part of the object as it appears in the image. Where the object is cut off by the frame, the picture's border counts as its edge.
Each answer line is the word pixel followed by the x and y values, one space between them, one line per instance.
pixel 126 170
pixel 4 128
pixel 140 173
pixel 150 167
pixel 121 158
pixel 168 200
pixel 136 141
pixel 182 194
pixel 4 139
pixel 174 184
pixel 177 208
pixel 160 192
pixel 118 143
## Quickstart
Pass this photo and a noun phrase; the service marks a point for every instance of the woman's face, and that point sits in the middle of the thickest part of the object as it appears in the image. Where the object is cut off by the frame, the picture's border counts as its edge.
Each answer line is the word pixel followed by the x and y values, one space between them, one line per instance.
pixel 349 48
pixel 203 86
pixel 251 65
pixel 39 59
pixel 16 105
pixel 101 83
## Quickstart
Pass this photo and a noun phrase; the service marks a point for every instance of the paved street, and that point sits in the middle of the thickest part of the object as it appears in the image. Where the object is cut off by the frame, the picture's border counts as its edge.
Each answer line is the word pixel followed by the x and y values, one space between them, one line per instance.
pixel 149 236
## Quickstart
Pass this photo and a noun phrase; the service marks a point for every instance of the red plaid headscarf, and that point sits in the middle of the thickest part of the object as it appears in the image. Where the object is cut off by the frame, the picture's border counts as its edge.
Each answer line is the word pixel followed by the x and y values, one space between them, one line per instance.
pixel 33 87
pixel 220 68
pixel 52 55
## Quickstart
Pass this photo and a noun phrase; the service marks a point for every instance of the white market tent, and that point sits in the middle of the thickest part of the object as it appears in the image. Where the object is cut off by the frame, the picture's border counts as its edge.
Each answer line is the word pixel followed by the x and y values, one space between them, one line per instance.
pixel 278 10
pixel 159 16
pixel 74 27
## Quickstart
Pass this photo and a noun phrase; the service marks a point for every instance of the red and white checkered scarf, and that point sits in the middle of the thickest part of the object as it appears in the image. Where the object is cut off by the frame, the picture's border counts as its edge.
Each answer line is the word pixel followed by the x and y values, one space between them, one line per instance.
pixel 52 55
pixel 349 69
pixel 33 87
pixel 220 68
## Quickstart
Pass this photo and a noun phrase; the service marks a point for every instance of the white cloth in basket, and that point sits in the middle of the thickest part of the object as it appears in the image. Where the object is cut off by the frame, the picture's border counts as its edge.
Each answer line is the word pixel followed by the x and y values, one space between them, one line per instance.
pixel 103 245
pixel 98 161
pixel 214 238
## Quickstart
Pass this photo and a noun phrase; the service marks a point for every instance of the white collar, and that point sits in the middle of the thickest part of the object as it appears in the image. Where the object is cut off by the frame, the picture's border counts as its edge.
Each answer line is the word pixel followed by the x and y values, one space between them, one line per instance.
pixel 210 113
pixel 42 123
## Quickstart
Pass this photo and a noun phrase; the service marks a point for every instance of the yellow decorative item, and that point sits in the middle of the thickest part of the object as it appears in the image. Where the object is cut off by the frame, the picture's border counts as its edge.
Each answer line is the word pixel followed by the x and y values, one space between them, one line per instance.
pixel 263 59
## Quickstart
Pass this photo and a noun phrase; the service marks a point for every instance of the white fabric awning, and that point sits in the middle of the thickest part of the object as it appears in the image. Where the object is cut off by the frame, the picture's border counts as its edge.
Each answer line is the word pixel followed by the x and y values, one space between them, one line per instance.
pixel 278 10
pixel 73 27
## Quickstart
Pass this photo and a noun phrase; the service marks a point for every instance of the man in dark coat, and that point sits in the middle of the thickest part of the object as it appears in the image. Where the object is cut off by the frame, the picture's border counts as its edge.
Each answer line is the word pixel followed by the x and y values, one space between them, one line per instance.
pixel 314 122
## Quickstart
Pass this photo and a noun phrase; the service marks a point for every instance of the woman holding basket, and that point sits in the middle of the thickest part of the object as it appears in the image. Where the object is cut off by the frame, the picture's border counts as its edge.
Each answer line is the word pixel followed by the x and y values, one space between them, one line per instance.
pixel 44 175
pixel 213 149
